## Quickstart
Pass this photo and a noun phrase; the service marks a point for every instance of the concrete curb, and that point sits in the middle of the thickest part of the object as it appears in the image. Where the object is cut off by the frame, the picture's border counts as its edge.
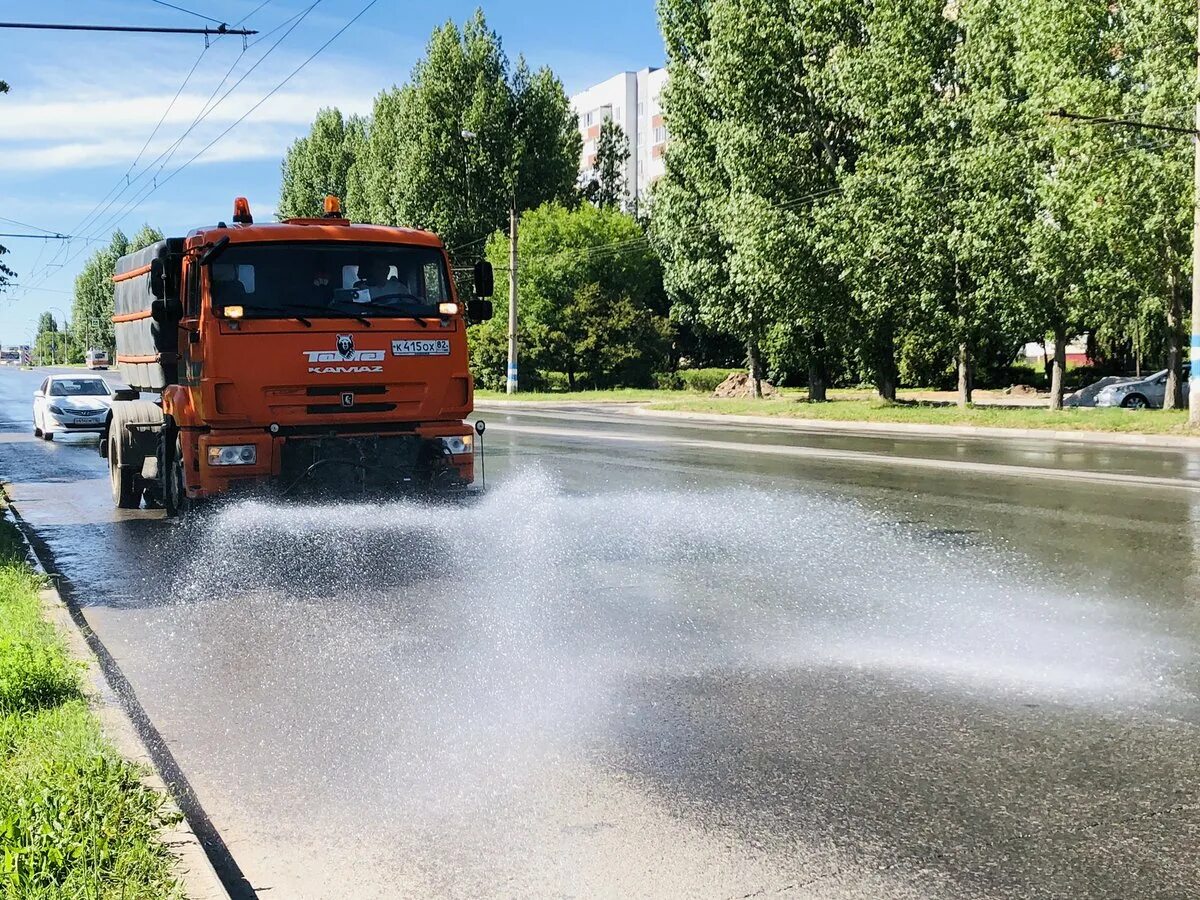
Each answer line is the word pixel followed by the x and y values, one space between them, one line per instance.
pixel 883 429
pixel 193 867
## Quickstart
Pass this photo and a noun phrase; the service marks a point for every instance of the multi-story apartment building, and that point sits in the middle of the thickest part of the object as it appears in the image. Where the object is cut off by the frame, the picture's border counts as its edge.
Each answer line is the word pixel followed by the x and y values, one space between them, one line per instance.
pixel 633 100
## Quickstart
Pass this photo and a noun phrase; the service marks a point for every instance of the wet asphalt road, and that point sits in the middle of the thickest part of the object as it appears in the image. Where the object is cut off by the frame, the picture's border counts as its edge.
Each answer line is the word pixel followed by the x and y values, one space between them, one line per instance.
pixel 672 660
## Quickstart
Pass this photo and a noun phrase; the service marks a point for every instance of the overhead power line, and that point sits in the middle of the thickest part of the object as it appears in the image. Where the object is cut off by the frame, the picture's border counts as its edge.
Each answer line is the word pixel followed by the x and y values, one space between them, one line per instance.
pixel 188 11
pixel 27 225
pixel 165 157
pixel 157 183
pixel 1127 123
pixel 124 183
pixel 37 237
pixel 137 29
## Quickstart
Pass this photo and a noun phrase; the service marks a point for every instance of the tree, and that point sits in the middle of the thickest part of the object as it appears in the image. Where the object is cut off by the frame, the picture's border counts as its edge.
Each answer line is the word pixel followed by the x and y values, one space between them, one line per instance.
pixel 455 148
pixel 319 163
pixel 784 138
pixel 92 309
pixel 689 201
pixel 607 187
pixel 1064 60
pixel 49 343
pixel 592 302
pixel 1153 177
pixel 759 133
pixel 934 215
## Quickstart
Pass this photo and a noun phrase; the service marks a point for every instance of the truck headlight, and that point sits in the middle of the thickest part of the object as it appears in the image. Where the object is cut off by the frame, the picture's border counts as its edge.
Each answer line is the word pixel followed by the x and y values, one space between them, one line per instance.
pixel 239 455
pixel 458 444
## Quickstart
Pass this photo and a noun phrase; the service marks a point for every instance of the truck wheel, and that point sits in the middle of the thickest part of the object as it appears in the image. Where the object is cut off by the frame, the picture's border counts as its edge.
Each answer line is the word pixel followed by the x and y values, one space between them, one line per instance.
pixel 126 492
pixel 129 447
pixel 175 497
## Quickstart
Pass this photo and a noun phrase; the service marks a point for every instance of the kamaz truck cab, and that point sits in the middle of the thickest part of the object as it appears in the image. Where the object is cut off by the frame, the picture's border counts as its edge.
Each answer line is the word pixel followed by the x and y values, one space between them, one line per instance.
pixel 300 355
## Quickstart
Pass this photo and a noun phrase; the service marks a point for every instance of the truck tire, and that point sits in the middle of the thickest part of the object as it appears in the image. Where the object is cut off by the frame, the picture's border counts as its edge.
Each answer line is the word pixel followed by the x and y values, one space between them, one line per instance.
pixel 126 492
pixel 129 447
pixel 174 485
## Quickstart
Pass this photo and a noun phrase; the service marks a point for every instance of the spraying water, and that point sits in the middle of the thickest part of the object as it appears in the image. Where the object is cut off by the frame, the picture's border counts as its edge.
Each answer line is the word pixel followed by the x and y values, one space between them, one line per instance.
pixel 684 580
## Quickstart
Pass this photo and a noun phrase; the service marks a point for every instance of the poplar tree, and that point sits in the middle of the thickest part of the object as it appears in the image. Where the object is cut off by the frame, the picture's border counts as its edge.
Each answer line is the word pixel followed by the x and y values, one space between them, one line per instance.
pixel 319 163
pixel 691 199
pixel 92 308
pixel 608 188
pixel 465 139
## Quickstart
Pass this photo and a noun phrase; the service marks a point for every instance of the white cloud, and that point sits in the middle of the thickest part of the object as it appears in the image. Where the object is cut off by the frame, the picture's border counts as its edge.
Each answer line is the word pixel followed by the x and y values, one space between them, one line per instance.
pixel 61 123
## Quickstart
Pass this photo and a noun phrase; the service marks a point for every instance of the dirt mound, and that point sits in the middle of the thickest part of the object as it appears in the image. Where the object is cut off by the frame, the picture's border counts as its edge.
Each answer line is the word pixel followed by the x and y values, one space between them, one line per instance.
pixel 738 385
pixel 1021 390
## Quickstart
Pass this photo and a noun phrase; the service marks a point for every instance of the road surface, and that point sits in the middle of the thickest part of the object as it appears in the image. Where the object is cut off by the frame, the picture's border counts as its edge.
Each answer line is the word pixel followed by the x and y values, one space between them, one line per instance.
pixel 671 660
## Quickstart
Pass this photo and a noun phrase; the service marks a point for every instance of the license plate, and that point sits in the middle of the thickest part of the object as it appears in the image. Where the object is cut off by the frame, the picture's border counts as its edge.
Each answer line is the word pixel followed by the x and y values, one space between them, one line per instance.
pixel 421 348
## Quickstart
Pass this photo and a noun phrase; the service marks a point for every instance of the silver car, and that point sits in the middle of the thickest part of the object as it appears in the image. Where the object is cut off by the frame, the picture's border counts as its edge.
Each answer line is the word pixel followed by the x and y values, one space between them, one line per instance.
pixel 1141 393
pixel 70 403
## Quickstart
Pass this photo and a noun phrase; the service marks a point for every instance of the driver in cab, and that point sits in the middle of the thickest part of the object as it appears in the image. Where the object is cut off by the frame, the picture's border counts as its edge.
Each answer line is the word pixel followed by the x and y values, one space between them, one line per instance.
pixel 375 278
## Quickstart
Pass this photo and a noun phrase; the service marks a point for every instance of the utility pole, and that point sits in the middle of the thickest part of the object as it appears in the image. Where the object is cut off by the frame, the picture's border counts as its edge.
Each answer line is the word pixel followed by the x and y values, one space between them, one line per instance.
pixel 511 384
pixel 1194 354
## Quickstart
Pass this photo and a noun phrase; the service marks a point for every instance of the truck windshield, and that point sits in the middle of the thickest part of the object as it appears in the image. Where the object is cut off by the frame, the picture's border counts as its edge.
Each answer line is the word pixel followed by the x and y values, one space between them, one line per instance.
pixel 306 279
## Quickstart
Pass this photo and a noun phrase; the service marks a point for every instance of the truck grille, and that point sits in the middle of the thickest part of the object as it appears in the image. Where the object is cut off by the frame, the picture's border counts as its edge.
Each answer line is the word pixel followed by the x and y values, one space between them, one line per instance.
pixel 325 409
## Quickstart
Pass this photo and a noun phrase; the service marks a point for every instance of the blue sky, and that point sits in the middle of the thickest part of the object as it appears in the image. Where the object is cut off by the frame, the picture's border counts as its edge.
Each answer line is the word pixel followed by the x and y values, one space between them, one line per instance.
pixel 81 107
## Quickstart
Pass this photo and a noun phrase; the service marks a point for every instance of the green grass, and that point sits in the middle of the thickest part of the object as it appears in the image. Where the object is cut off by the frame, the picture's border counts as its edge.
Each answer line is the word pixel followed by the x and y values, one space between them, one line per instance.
pixel 75 820
pixel 1110 420
pixel 617 395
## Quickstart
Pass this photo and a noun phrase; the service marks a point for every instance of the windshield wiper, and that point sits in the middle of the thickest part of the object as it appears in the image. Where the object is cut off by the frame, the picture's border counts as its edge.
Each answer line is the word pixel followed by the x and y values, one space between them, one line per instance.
pixel 401 295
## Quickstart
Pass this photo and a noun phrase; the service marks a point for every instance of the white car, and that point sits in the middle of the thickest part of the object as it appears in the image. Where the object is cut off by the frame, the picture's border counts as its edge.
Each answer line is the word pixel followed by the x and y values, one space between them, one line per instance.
pixel 70 403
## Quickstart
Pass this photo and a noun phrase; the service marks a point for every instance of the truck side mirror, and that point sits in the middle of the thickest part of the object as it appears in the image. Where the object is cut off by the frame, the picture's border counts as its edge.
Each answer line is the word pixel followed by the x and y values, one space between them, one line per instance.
pixel 166 311
pixel 479 311
pixel 485 279
pixel 158 278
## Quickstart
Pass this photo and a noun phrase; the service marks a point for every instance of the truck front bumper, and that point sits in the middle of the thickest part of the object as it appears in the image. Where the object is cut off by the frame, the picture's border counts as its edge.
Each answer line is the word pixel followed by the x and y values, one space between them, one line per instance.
pixel 334 462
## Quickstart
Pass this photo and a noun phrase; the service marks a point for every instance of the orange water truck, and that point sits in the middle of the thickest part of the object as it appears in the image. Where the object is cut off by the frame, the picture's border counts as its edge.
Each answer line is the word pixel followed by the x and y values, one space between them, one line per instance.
pixel 308 355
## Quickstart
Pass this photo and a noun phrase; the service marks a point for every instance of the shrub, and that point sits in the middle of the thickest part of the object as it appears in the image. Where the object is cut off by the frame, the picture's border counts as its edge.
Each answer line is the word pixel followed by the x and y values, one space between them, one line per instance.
pixel 703 380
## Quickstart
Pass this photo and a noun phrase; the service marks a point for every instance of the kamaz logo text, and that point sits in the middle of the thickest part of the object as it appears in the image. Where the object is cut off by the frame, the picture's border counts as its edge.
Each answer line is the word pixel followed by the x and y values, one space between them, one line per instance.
pixel 333 356
pixel 345 353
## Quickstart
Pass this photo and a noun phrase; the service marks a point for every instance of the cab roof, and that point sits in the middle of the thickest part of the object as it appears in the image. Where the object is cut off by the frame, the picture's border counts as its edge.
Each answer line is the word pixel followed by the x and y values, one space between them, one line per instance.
pixel 298 230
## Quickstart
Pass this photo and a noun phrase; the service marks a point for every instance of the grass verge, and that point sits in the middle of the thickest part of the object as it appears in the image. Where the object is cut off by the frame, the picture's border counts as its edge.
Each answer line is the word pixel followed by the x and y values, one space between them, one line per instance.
pixel 615 395
pixel 1108 420
pixel 75 819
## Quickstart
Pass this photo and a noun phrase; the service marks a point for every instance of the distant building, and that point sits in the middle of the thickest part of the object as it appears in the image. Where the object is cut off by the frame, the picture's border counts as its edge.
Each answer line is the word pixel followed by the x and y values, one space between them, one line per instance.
pixel 1037 353
pixel 634 101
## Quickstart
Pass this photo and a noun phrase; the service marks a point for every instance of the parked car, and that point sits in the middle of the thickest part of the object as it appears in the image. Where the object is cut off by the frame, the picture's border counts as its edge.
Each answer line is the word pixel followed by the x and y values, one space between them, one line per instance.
pixel 70 403
pixel 1141 393
pixel 1086 395
pixel 97 359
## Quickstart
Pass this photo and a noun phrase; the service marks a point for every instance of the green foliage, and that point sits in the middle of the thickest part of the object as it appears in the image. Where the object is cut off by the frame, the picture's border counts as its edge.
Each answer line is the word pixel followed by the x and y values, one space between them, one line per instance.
pixel 451 150
pixel 319 164
pixel 607 187
pixel 75 820
pixel 591 304
pixel 702 381
pixel 874 187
